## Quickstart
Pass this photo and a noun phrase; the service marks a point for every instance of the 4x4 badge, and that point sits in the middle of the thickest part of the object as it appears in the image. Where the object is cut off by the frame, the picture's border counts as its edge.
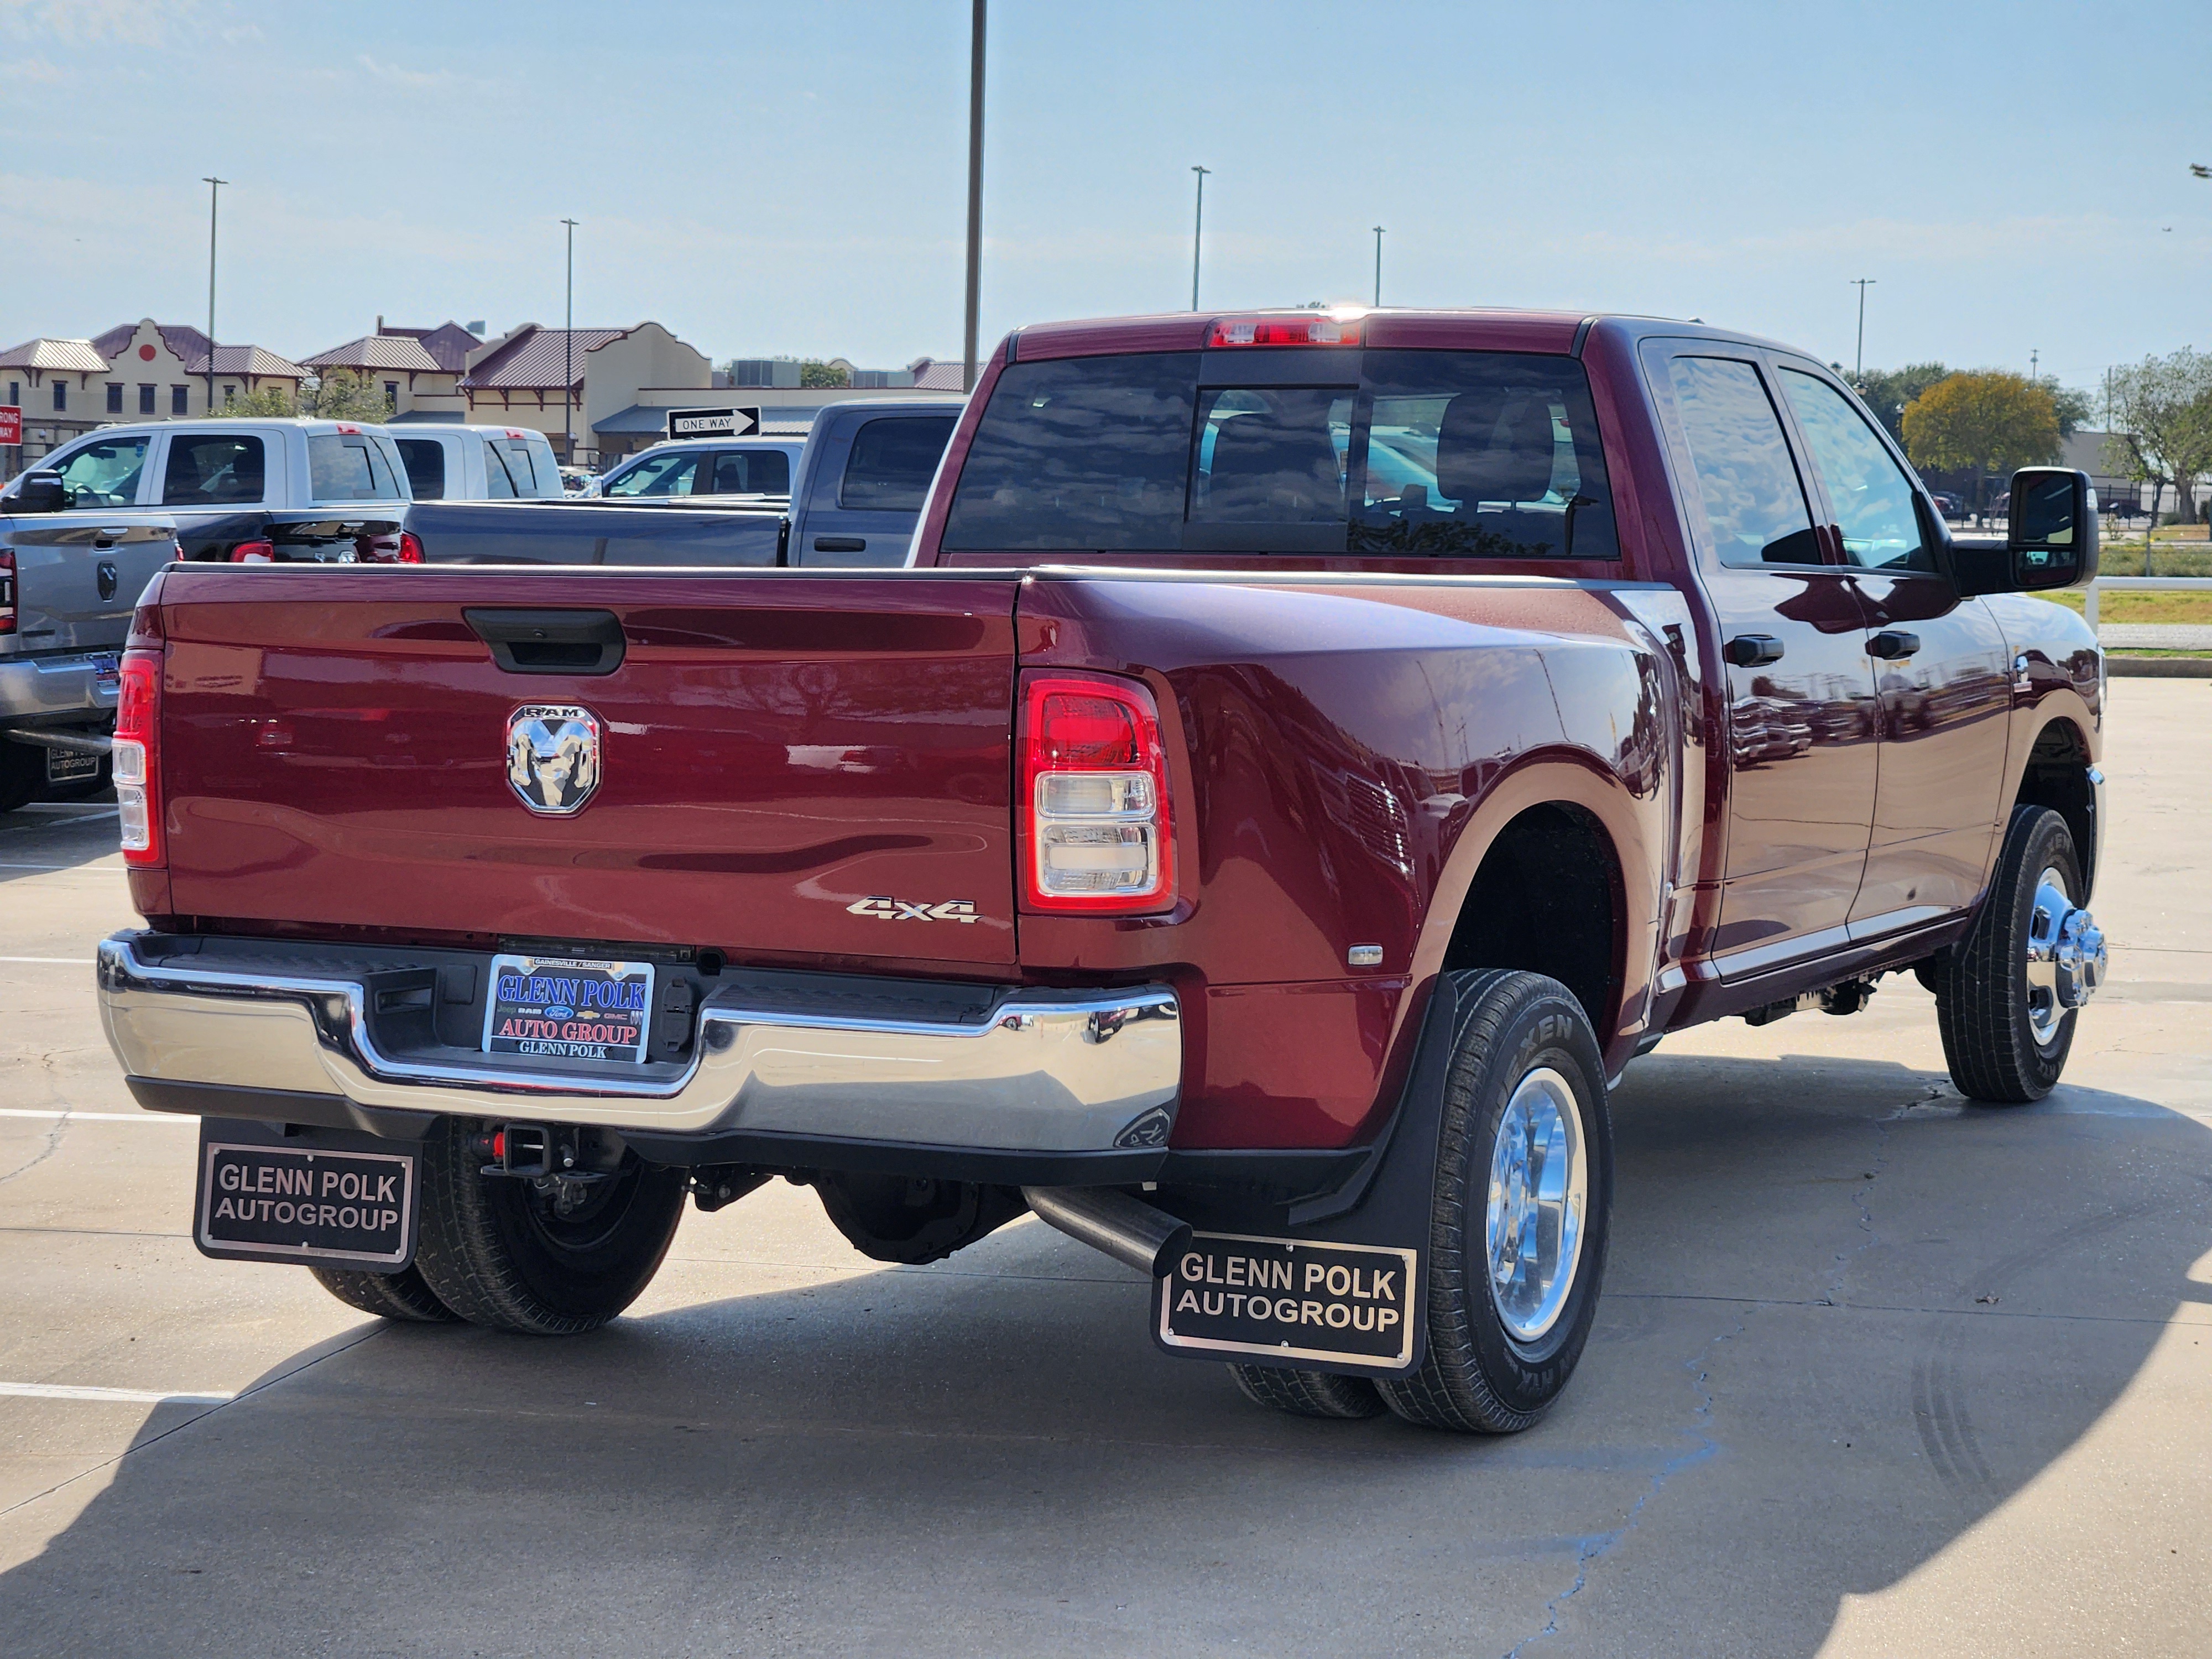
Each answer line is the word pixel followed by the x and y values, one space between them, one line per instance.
pixel 891 910
pixel 553 756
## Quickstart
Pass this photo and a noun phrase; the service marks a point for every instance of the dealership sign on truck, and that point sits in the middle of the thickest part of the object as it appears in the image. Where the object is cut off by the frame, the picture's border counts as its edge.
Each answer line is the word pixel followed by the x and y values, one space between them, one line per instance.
pixel 11 425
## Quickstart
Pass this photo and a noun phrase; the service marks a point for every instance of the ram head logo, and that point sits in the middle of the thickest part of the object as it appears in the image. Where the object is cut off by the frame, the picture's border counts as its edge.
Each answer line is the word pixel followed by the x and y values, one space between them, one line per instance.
pixel 553 756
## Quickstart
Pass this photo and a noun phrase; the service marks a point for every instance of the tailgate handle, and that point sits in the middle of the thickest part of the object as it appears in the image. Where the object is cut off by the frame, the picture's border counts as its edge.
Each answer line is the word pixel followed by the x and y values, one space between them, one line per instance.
pixel 551 641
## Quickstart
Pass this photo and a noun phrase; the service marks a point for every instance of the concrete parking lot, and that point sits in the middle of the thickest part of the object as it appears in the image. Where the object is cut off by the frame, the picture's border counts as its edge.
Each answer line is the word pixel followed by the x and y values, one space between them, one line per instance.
pixel 1876 1373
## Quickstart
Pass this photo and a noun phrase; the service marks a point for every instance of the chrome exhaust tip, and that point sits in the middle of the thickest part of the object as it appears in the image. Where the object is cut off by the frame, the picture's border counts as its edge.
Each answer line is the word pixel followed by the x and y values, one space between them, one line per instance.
pixel 1127 1229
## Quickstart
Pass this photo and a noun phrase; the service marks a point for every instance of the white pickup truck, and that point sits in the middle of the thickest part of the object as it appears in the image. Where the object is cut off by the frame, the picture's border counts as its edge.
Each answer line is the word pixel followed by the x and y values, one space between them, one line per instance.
pixel 456 461
pixel 245 489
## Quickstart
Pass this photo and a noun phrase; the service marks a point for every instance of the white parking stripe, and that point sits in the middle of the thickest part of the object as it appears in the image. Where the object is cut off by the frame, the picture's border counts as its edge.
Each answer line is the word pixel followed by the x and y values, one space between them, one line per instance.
pixel 121 1396
pixel 100 1117
pixel 55 962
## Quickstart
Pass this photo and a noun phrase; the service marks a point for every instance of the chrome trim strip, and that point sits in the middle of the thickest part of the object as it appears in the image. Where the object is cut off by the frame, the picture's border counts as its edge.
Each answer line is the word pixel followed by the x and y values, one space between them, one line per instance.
pixel 1048 1070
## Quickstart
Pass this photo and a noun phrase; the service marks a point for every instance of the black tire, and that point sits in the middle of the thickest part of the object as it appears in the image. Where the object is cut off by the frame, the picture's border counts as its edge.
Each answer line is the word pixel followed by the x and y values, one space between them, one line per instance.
pixel 1982 997
pixel 1479 1377
pixel 1307 1393
pixel 493 1249
pixel 22 774
pixel 401 1296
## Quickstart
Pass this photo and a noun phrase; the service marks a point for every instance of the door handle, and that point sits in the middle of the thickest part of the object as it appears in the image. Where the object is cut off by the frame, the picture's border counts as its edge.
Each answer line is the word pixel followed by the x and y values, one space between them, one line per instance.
pixel 841 544
pixel 108 578
pixel 1755 650
pixel 1893 645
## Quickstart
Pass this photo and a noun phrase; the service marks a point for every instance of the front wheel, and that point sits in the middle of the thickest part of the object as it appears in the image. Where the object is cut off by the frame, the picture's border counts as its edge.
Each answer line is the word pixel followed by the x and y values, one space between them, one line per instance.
pixel 2005 1000
pixel 1518 1220
pixel 540 1258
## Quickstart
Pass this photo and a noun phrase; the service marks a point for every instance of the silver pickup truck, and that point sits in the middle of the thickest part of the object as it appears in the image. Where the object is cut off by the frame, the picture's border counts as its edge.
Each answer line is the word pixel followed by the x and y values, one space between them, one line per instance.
pixel 68 579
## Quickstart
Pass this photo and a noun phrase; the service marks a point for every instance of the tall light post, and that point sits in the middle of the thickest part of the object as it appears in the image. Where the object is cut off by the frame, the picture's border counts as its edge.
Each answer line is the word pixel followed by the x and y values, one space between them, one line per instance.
pixel 1862 283
pixel 1197 230
pixel 1378 265
pixel 975 190
pixel 568 359
pixel 214 189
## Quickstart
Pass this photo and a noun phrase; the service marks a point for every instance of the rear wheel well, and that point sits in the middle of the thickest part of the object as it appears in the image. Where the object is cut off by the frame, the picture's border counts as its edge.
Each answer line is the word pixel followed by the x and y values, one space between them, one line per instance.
pixel 2057 776
pixel 1546 899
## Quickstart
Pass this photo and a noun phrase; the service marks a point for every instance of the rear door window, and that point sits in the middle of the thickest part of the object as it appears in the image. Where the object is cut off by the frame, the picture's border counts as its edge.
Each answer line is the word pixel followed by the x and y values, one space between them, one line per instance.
pixel 104 473
pixel 894 457
pixel 752 471
pixel 521 471
pixel 425 459
pixel 346 467
pixel 1754 501
pixel 214 470
pixel 1459 454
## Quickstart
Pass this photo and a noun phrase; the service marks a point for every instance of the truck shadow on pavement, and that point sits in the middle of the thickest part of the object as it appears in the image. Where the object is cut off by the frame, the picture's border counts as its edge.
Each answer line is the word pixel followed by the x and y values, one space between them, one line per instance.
pixel 55 835
pixel 1846 1317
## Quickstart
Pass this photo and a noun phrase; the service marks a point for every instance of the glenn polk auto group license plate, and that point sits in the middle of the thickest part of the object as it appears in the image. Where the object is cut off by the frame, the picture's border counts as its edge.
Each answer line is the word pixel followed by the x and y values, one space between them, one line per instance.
pixel 292 1204
pixel 568 1008
pixel 1283 1299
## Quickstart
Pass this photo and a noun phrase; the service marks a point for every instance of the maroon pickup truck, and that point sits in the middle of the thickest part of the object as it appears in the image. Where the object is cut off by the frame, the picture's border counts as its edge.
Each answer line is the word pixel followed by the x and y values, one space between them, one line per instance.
pixel 1309 755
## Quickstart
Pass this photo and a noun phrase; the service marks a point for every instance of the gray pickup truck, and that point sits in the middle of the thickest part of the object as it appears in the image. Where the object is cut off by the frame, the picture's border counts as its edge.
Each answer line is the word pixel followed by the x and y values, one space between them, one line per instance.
pixel 68 579
pixel 862 479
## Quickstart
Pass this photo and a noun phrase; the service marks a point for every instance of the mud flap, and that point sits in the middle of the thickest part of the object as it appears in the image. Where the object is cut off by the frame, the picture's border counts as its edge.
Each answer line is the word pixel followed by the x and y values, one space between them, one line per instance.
pixel 1337 1281
pixel 272 1192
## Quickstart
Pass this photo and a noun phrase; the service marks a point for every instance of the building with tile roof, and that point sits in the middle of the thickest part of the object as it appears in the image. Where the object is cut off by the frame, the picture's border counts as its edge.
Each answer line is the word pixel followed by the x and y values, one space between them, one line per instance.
pixel 516 380
pixel 415 383
pixel 60 387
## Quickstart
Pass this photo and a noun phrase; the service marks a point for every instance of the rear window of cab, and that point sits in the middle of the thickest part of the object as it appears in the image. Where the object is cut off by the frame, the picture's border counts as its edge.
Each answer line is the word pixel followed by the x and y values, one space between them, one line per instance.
pixel 1454 454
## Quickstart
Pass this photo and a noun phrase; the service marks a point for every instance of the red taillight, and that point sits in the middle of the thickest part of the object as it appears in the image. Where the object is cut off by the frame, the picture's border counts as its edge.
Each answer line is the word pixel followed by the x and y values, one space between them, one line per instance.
pixel 410 548
pixel 1095 831
pixel 7 590
pixel 1334 328
pixel 134 757
pixel 253 553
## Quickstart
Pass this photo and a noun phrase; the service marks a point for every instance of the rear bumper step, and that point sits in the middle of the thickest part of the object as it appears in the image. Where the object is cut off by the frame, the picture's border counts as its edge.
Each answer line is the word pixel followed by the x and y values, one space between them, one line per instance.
pixel 1043 1072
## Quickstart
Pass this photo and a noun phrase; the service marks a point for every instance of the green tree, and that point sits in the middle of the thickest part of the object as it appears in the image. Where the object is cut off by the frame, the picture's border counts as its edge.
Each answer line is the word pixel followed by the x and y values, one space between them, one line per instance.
pixel 813 371
pixel 2162 421
pixel 343 395
pixel 1988 423
pixel 1888 391
pixel 2074 406
pixel 266 401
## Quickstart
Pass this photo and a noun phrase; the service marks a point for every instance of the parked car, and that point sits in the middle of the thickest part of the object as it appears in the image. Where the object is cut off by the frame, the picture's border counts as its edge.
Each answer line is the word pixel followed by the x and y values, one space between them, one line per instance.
pixel 1256 867
pixel 460 463
pixel 251 490
pixel 577 480
pixel 689 468
pixel 862 475
pixel 1950 506
pixel 70 576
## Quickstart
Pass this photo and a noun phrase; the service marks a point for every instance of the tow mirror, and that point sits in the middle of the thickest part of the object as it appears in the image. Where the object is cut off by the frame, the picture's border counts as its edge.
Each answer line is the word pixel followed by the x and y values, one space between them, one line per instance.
pixel 41 492
pixel 2051 539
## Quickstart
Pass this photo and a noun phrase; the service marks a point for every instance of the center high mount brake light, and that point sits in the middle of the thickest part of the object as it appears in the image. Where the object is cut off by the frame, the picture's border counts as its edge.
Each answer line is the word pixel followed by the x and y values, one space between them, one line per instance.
pixel 1293 328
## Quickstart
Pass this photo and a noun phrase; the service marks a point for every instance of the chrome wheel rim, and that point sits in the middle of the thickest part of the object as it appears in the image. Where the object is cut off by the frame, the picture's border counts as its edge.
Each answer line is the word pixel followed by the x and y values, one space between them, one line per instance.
pixel 1539 1191
pixel 2044 923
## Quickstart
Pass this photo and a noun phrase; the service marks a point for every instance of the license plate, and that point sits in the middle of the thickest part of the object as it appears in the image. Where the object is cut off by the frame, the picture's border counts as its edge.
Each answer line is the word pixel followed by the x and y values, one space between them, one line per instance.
pixel 568 1008
pixel 1286 1299
pixel 275 1203
pixel 106 673
pixel 68 766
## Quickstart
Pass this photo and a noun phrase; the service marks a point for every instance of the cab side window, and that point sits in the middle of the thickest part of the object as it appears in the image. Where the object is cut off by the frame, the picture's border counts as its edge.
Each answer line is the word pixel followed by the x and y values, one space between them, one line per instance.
pixel 1871 496
pixel 668 474
pixel 892 462
pixel 425 460
pixel 211 470
pixel 104 473
pixel 1754 502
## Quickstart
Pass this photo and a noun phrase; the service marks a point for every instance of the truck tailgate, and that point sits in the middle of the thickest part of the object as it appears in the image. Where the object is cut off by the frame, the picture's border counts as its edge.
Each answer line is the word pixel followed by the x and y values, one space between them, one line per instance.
pixel 773 749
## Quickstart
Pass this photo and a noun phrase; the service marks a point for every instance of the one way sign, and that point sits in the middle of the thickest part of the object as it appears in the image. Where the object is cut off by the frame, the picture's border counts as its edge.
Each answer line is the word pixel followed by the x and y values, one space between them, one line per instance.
pixel 714 422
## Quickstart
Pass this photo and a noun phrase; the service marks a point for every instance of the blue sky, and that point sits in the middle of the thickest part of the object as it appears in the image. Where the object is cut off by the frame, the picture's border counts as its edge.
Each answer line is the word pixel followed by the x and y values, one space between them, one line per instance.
pixel 789 178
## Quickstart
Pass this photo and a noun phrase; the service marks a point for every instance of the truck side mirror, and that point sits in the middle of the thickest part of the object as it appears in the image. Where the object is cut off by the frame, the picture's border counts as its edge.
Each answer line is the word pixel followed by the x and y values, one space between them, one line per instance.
pixel 41 492
pixel 2050 539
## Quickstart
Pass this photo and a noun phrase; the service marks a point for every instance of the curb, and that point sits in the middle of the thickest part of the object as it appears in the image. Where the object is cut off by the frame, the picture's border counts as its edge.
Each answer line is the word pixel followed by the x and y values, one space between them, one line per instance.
pixel 2158 668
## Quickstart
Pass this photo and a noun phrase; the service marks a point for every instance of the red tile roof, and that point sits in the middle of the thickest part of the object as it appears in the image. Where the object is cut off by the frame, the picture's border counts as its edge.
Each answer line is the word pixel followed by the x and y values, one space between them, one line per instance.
pixel 449 344
pixel 248 360
pixel 534 359
pixel 378 351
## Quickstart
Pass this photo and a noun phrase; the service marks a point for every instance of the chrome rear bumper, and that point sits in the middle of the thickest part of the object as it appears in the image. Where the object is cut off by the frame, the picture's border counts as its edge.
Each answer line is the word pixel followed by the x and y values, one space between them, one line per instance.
pixel 1043 1070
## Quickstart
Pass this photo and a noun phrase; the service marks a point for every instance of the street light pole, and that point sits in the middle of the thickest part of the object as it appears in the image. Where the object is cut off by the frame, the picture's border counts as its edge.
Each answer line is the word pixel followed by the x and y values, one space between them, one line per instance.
pixel 1197 230
pixel 214 189
pixel 1863 284
pixel 975 190
pixel 1378 264
pixel 568 359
